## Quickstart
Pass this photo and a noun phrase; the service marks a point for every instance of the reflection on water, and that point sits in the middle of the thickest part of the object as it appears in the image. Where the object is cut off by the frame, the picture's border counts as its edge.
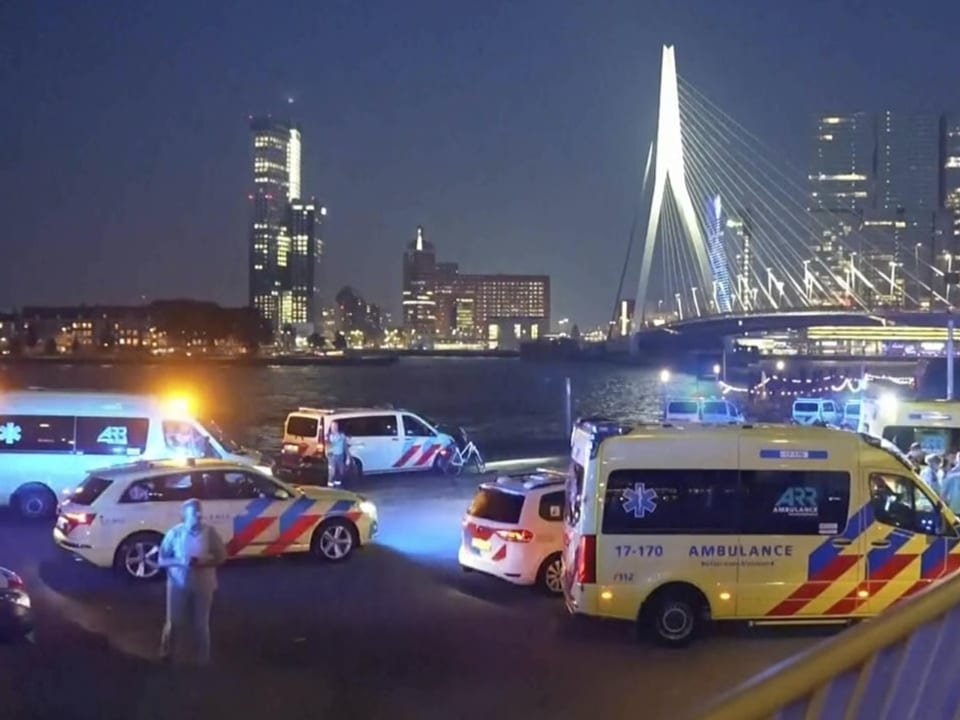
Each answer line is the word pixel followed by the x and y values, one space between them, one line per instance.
pixel 506 405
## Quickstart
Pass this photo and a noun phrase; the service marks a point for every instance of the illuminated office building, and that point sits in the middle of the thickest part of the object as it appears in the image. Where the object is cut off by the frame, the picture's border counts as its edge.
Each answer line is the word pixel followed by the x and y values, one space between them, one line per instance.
pixel 285 245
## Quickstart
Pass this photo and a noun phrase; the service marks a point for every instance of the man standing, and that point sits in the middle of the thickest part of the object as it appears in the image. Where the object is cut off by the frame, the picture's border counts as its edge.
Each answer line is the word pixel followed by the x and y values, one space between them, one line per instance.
pixel 190 552
pixel 337 454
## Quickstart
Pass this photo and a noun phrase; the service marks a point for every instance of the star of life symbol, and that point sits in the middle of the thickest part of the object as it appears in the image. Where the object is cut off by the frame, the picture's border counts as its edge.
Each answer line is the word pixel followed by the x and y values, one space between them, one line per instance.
pixel 639 501
pixel 10 433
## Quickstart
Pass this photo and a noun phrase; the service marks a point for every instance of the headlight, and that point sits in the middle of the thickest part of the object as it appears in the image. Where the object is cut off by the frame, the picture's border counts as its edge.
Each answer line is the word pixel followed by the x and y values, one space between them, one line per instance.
pixel 368 508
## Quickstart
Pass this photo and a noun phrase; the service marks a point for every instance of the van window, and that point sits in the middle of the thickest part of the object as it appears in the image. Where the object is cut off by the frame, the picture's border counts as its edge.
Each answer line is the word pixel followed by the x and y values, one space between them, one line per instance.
pixel 931 439
pixel 692 501
pixel 112 435
pixel 682 407
pixel 715 407
pixel 36 433
pixel 897 501
pixel 496 506
pixel 369 426
pixel 302 426
pixel 415 428
pixel 182 439
pixel 574 493
pixel 828 406
pixel 806 407
pixel 795 502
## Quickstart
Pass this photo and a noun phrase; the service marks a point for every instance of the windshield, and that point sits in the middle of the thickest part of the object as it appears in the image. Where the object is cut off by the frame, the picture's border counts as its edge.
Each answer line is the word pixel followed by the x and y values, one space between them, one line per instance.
pixel 218 434
pixel 936 440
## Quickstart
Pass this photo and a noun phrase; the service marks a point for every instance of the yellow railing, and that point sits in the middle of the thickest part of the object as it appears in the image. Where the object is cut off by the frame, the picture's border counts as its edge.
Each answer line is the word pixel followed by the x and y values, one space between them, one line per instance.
pixel 900 665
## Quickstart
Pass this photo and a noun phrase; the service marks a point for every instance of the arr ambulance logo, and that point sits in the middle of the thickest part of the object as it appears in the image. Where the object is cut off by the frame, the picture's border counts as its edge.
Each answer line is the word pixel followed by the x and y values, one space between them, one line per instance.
pixel 798 502
pixel 113 435
pixel 639 501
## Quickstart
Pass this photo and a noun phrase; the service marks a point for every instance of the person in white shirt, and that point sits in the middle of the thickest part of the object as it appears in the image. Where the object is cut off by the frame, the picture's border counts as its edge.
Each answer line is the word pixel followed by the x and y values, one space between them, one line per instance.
pixel 931 473
pixel 190 552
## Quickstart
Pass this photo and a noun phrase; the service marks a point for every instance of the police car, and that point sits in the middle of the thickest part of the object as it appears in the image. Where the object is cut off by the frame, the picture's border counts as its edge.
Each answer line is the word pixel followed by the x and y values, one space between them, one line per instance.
pixel 118 516
pixel 513 530
pixel 379 440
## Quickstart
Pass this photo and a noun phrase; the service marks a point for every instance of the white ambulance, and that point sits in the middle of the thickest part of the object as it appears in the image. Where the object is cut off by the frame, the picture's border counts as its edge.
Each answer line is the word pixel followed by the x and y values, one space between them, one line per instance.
pixel 51 439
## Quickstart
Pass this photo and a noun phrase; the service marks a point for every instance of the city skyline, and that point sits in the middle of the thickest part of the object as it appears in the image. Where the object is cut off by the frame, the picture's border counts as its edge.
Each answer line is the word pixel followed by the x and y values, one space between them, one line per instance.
pixel 512 180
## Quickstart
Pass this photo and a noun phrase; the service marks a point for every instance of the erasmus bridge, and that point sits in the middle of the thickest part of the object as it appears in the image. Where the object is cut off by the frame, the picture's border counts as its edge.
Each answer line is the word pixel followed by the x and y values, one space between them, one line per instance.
pixel 735 236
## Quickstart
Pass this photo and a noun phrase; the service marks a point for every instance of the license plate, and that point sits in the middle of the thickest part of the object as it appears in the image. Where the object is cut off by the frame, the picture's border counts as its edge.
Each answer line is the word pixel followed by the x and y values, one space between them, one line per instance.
pixel 480 544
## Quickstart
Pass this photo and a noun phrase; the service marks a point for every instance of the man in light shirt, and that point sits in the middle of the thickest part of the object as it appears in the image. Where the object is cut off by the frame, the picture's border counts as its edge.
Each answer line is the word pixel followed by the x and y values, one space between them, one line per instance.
pixel 190 552
pixel 337 453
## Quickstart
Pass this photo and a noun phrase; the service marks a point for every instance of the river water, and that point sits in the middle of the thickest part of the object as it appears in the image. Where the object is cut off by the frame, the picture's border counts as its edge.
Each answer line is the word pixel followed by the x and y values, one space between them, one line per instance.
pixel 509 406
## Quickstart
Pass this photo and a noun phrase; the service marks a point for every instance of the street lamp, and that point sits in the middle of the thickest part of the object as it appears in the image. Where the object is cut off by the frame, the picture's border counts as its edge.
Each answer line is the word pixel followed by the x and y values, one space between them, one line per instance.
pixel 664 379
pixel 780 365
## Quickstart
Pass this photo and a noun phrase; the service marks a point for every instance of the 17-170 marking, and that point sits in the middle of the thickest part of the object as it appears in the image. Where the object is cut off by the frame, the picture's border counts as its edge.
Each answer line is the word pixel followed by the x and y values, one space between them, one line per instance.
pixel 639 550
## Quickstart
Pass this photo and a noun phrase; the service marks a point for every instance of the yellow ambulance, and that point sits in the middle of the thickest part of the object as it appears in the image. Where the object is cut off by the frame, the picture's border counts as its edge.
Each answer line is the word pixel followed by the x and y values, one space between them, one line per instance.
pixel 671 527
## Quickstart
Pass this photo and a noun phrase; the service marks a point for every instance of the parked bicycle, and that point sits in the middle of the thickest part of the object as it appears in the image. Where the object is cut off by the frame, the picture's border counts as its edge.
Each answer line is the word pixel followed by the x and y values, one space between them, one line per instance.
pixel 458 455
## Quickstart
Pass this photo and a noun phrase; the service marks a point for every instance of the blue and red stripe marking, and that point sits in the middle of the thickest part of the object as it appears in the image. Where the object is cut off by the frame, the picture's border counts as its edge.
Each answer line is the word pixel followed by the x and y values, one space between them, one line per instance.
pixel 936 561
pixel 249 524
pixel 294 522
pixel 826 564
pixel 883 565
pixel 405 458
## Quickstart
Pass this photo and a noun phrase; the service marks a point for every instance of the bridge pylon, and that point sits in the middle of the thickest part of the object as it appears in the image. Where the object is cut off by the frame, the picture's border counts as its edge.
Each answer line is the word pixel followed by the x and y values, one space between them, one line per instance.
pixel 669 172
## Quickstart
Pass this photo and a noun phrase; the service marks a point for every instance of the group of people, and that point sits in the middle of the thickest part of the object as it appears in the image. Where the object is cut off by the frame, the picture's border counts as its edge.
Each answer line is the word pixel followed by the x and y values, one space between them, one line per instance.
pixel 941 472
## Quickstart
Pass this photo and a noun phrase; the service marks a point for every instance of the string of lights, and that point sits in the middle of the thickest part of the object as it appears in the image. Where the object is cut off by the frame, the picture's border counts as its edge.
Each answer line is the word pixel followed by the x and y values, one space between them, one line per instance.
pixel 824 385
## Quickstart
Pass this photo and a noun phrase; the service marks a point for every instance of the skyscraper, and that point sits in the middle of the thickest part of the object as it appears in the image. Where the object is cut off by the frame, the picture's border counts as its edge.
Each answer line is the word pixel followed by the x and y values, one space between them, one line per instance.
pixel 419 288
pixel 284 230
pixel 843 160
pixel 908 167
pixel 718 258
pixel 951 176
pixel 303 225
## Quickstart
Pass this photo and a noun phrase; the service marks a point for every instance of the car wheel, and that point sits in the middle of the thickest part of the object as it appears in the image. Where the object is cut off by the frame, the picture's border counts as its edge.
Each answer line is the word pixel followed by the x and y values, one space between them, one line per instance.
pixel 35 502
pixel 334 540
pixel 138 557
pixel 550 575
pixel 675 616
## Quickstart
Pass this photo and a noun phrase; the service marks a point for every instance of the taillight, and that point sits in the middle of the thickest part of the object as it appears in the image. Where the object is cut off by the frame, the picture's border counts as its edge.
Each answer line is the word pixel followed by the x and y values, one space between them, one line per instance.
pixel 520 536
pixel 76 519
pixel 587 560
pixel 14 581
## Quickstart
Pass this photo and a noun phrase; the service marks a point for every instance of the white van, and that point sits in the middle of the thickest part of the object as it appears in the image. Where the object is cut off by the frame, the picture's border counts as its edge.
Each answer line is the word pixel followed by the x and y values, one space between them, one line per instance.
pixel 50 440
pixel 379 441
pixel 702 410
pixel 851 415
pixel 807 411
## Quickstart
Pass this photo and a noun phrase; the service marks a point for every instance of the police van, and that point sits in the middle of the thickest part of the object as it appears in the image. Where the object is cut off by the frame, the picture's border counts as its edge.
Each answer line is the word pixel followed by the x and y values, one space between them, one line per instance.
pixel 670 527
pixel 50 440
pixel 934 424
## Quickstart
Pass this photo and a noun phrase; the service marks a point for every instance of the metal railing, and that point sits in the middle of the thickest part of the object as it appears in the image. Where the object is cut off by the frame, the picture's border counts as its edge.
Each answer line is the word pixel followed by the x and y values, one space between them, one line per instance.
pixel 899 665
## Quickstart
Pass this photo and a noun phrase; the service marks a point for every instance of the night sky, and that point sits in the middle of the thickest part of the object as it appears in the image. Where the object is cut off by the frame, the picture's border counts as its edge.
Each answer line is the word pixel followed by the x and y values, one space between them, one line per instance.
pixel 515 132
